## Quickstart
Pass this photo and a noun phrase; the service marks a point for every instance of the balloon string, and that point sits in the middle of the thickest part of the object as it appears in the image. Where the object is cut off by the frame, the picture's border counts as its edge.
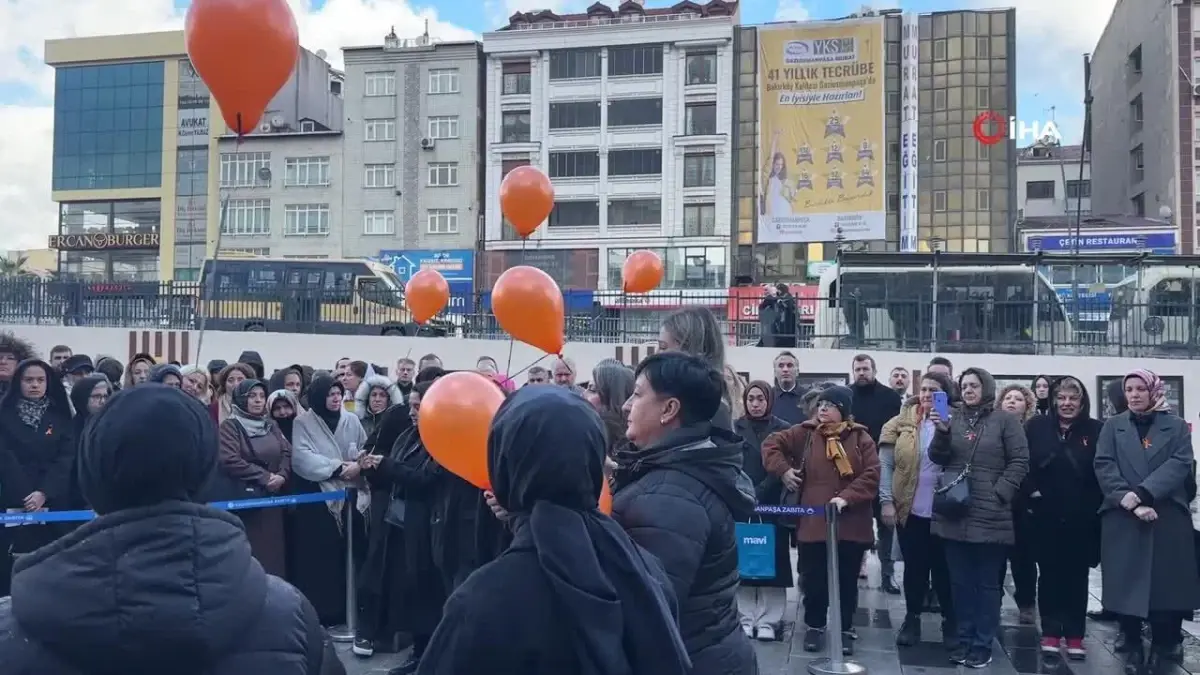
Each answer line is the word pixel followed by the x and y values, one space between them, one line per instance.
pixel 209 285
pixel 508 366
pixel 540 359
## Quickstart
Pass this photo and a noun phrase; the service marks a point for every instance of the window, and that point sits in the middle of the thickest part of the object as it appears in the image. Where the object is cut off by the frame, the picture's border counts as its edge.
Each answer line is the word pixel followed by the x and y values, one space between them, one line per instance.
pixel 632 112
pixel 306 220
pixel 939 201
pixel 1136 111
pixel 939 99
pixel 893 102
pixel 983 200
pixel 443 81
pixel 514 127
pixel 893 152
pixel 701 68
pixel 699 170
pixel 379 222
pixel 1039 189
pixel 575 214
pixel 893 52
pixel 893 202
pixel 635 60
pixel 1079 189
pixel 247 217
pixel 699 220
pixel 635 162
pixel 507 165
pixel 983 151
pixel 1134 61
pixel 379 130
pixel 379 176
pixel 244 169
pixel 306 171
pixel 1138 204
pixel 983 48
pixel 573 64
pixel 634 212
pixel 575 115
pixel 381 84
pixel 443 174
pixel 307 126
pixel 246 251
pixel 516 78
pixel 579 164
pixel 695 267
pixel 983 97
pixel 939 150
pixel 701 119
pixel 443 127
pixel 442 221
pixel 939 50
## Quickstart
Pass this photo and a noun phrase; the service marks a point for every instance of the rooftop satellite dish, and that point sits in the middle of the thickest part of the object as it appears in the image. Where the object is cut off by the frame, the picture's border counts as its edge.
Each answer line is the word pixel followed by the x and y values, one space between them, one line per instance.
pixel 322 54
pixel 264 174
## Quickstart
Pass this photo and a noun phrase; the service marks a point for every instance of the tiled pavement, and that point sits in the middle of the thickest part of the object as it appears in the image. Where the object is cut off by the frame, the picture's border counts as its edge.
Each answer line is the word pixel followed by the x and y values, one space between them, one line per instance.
pixel 877 620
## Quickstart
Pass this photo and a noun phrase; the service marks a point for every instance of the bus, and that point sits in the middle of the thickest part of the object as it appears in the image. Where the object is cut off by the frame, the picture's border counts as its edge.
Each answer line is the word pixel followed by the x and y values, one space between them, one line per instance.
pixel 305 295
pixel 1155 313
pixel 1004 309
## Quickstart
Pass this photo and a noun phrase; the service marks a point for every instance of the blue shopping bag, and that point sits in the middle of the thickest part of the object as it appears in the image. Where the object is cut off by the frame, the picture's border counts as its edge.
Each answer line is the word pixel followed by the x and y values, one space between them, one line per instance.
pixel 756 550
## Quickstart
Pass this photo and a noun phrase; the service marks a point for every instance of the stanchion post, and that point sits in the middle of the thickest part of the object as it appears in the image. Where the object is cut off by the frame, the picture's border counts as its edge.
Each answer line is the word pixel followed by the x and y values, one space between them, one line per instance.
pixel 348 631
pixel 836 663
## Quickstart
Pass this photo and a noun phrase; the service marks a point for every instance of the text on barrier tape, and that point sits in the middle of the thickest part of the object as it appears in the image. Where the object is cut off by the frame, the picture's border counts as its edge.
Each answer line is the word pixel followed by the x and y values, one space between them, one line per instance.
pixel 237 505
pixel 782 510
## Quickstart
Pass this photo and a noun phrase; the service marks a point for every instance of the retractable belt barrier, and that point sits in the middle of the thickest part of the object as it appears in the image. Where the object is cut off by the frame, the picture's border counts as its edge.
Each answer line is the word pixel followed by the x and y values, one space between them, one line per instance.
pixel 30 518
pixel 782 510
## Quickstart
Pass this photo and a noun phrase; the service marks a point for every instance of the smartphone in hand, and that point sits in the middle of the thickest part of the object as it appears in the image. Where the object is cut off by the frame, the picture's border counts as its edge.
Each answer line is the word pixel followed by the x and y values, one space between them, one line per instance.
pixel 941 404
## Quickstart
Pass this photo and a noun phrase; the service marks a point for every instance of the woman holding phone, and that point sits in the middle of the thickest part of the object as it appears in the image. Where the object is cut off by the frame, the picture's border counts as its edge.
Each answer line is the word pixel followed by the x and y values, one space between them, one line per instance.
pixel 906 488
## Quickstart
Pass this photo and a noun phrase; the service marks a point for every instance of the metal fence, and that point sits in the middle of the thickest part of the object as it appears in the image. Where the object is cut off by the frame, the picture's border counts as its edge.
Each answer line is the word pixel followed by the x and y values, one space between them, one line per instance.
pixel 1047 325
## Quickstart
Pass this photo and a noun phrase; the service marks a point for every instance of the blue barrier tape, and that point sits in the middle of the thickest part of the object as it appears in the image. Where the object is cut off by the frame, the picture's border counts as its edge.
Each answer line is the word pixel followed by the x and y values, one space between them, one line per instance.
pixel 237 505
pixel 781 510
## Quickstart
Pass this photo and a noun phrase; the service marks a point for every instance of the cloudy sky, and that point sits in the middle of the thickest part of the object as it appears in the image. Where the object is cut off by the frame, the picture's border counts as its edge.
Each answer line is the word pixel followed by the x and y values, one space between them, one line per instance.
pixel 1051 37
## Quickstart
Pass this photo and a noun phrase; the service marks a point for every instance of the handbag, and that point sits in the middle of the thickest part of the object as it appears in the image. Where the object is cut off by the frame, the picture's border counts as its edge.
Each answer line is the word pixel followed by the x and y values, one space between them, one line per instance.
pixel 756 550
pixel 952 500
pixel 396 509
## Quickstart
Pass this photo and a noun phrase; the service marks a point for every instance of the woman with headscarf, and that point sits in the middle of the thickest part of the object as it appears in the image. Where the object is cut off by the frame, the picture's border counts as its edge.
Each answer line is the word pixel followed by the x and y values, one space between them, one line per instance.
pixel 1143 464
pixel 37 456
pixel 283 407
pixel 168 374
pixel 88 396
pixel 1040 388
pixel 138 370
pixel 327 440
pixel 290 378
pixel 374 396
pixel 761 602
pixel 592 602
pixel 254 452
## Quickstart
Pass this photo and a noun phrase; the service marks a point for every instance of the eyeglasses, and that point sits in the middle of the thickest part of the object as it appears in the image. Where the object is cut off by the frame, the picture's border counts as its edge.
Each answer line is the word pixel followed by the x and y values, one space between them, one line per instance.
pixel 98 398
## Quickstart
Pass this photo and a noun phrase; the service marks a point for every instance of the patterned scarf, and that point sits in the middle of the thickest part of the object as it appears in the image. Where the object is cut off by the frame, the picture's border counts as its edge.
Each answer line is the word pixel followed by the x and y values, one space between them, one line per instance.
pixel 834 451
pixel 31 410
pixel 1156 387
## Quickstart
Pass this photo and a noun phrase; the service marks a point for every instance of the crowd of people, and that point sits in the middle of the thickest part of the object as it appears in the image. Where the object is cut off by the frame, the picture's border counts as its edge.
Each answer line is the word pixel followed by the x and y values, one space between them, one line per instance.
pixel 969 479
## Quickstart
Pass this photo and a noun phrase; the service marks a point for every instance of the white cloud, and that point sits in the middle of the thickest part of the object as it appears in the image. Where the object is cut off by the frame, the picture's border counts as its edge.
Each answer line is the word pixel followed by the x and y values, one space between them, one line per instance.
pixel 27 215
pixel 791 10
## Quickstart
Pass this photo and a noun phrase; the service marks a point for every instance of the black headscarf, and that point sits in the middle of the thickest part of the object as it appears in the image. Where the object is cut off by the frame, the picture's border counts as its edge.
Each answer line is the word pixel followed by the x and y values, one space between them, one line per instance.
pixel 317 391
pixel 124 462
pixel 546 458
pixel 160 372
pixel 80 393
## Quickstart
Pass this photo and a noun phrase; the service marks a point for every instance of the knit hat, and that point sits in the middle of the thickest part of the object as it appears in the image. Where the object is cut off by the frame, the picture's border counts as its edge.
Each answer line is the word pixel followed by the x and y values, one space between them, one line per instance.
pixel 841 397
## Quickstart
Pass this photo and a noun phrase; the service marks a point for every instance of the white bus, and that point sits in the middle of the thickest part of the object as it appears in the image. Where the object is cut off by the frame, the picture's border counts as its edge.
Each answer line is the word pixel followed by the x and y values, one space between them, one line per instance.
pixel 981 309
pixel 1155 313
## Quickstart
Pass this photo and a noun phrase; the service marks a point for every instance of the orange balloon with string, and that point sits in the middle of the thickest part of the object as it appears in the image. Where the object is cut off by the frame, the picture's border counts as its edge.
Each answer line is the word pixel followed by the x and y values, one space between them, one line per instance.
pixel 526 198
pixel 456 415
pixel 426 294
pixel 642 272
pixel 245 51
pixel 528 304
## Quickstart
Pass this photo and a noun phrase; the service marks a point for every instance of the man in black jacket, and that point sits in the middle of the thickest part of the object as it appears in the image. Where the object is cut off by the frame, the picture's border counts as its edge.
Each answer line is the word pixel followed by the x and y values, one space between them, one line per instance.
pixel 874 404
pixel 156 583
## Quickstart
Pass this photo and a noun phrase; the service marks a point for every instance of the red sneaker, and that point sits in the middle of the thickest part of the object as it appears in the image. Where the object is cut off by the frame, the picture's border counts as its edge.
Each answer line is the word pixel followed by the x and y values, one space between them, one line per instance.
pixel 1075 649
pixel 1050 644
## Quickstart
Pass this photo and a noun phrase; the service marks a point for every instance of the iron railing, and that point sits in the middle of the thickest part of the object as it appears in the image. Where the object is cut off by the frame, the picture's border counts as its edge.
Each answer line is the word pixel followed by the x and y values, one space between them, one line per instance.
pixel 1047 325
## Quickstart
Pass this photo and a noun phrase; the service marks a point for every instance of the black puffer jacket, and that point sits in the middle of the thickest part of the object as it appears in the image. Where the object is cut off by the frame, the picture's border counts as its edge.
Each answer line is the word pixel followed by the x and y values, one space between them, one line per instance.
pixel 680 499
pixel 170 588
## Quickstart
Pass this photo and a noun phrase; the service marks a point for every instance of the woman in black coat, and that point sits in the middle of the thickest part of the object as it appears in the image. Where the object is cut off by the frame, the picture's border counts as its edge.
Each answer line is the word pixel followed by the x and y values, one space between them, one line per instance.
pixel 88 396
pixel 761 602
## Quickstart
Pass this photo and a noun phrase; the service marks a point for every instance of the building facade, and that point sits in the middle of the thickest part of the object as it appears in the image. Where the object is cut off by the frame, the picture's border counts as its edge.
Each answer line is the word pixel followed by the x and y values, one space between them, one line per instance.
pixel 1144 73
pixel 412 149
pixel 628 110
pixel 135 154
pixel 1052 181
pixel 965 192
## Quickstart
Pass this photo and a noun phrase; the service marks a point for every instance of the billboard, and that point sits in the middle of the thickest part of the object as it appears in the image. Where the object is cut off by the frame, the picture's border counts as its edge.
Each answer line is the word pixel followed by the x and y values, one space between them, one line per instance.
pixel 910 49
pixel 822 126
pixel 1105 240
pixel 456 265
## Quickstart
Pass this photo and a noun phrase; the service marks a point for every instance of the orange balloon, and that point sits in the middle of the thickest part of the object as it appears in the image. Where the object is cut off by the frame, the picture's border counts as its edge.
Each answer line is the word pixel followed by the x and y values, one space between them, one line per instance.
pixel 456 414
pixel 529 306
pixel 526 198
pixel 426 294
pixel 606 500
pixel 245 51
pixel 643 272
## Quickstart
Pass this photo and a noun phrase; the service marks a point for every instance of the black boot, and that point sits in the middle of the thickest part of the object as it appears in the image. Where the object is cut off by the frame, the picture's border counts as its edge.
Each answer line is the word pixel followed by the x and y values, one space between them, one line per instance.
pixel 910 631
pixel 888 585
pixel 408 667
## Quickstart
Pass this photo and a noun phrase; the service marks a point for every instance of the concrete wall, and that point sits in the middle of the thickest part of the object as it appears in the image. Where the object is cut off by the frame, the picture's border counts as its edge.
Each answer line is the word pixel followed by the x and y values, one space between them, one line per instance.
pixel 323 351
